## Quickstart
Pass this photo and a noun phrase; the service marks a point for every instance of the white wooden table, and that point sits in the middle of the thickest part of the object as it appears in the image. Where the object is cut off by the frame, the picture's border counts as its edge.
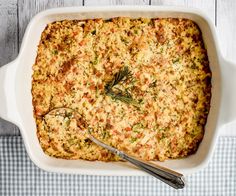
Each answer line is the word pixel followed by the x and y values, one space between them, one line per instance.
pixel 15 15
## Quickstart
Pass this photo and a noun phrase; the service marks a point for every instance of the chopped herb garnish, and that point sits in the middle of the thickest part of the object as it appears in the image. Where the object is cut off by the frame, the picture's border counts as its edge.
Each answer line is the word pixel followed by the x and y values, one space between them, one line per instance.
pixel 55 52
pixel 135 31
pixel 193 66
pixel 124 40
pixel 118 94
pixel 137 127
pixel 67 121
pixel 175 60
pixel 95 62
pixel 161 49
pixel 105 134
pixel 119 77
pixel 153 84
pixel 93 32
pixel 133 139
pixel 140 101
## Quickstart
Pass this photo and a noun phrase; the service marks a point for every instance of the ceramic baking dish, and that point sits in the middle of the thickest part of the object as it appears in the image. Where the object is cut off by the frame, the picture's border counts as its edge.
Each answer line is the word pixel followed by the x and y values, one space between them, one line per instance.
pixel 16 100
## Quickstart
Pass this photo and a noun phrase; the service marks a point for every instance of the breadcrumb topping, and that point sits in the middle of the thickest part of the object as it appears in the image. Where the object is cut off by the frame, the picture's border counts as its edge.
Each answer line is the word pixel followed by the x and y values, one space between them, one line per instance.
pixel 169 81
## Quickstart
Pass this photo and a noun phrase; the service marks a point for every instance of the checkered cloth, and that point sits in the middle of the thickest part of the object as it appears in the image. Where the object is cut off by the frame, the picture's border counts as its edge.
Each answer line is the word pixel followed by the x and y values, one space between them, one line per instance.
pixel 19 176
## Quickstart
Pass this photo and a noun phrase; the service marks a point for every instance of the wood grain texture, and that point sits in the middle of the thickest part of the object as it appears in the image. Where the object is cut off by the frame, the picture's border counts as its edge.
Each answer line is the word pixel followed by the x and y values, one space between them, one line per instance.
pixel 169 2
pixel 28 8
pixel 207 6
pixel 9 31
pixel 115 2
pixel 8 48
pixel 226 27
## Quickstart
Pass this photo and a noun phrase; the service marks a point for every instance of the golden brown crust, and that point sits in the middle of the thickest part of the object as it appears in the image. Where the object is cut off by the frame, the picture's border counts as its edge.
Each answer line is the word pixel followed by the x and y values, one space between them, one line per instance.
pixel 170 82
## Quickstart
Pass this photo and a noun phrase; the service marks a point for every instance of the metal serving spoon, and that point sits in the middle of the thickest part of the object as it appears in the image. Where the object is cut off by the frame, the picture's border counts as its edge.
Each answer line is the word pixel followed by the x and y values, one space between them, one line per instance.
pixel 168 176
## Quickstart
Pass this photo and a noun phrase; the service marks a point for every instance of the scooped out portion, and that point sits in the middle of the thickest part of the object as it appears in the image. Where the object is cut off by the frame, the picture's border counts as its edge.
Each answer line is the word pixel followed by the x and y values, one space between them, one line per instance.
pixel 143 86
pixel 66 121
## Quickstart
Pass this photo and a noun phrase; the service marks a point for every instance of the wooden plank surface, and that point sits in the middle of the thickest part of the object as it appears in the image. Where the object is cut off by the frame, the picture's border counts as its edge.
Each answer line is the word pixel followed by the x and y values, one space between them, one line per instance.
pixel 8 31
pixel 115 2
pixel 8 48
pixel 29 8
pixel 226 27
pixel 207 6
pixel 168 2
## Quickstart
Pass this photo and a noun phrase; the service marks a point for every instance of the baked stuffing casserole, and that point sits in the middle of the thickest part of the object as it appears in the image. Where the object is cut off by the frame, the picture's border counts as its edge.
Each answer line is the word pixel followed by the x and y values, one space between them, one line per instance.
pixel 142 85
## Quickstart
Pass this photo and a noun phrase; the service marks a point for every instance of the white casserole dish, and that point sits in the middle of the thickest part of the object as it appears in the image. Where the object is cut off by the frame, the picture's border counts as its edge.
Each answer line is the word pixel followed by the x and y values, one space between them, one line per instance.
pixel 16 100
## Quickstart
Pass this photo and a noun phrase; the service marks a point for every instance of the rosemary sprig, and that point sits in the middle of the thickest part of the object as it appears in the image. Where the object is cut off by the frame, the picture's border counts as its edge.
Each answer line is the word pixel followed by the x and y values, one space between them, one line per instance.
pixel 124 96
pixel 120 76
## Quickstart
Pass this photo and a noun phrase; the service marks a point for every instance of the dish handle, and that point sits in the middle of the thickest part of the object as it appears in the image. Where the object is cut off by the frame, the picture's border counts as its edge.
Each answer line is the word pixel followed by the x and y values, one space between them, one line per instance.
pixel 228 107
pixel 8 109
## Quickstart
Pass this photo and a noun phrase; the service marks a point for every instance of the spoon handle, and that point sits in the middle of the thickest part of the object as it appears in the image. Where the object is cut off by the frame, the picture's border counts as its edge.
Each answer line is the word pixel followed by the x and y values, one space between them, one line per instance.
pixel 170 177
